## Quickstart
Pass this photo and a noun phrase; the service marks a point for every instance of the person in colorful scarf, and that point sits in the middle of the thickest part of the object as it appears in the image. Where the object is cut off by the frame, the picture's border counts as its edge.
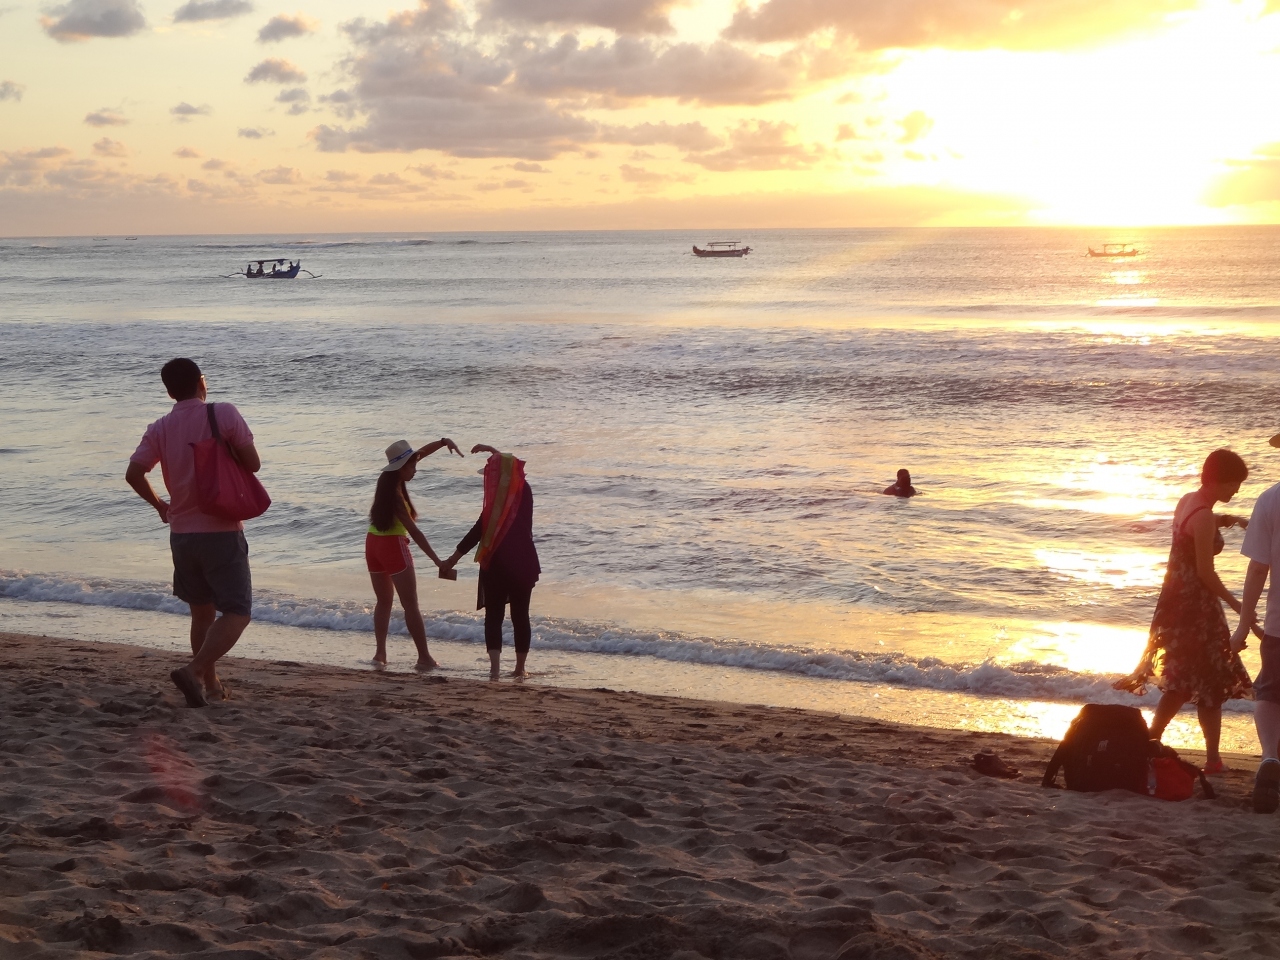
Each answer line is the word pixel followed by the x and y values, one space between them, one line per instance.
pixel 508 559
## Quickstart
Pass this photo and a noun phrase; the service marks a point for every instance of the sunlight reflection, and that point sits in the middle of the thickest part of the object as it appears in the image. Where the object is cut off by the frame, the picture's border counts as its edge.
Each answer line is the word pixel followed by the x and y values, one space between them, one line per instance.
pixel 1127 277
pixel 1081 647
pixel 1129 302
pixel 1117 570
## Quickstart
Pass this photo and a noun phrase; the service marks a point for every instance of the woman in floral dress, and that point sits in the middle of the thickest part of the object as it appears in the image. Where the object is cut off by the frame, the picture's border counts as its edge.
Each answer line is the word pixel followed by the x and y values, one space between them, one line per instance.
pixel 1189 654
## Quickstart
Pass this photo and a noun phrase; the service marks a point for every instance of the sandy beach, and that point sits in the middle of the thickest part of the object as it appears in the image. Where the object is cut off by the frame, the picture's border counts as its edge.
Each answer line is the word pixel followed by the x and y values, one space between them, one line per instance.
pixel 331 813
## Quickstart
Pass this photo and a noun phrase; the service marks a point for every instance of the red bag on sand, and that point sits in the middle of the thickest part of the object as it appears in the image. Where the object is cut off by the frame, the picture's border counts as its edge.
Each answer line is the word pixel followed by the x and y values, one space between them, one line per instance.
pixel 1172 779
pixel 224 488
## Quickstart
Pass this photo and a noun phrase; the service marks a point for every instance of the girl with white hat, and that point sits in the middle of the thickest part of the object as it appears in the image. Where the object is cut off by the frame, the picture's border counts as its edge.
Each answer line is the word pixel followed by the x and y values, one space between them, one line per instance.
pixel 386 548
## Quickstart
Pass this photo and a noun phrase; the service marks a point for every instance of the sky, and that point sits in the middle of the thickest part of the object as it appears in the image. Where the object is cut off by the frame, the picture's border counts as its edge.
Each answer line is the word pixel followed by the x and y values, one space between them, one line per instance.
pixel 217 116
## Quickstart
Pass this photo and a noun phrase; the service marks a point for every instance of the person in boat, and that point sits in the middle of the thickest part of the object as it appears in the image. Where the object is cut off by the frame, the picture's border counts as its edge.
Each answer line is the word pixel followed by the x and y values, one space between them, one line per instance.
pixel 903 487
pixel 386 548
pixel 507 556
pixel 275 268
pixel 1191 655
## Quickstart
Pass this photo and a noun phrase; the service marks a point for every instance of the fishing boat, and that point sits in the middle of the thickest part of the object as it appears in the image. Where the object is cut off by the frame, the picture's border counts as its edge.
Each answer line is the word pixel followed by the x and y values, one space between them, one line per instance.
pixel 721 248
pixel 1114 250
pixel 277 270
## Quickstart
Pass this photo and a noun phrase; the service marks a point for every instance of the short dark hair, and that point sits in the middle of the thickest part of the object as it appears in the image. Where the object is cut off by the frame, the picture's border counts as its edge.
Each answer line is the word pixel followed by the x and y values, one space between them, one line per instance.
pixel 1224 466
pixel 904 476
pixel 181 378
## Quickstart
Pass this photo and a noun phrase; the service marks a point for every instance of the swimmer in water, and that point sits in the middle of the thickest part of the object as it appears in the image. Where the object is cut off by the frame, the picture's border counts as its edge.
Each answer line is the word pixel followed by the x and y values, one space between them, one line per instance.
pixel 903 487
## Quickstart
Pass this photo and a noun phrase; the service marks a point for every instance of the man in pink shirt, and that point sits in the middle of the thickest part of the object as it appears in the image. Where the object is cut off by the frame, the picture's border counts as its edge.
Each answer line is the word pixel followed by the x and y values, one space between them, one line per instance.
pixel 210 555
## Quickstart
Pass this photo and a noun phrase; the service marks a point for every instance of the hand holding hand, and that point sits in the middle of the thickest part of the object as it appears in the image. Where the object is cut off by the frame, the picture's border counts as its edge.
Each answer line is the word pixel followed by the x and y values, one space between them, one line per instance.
pixel 484 448
pixel 1238 638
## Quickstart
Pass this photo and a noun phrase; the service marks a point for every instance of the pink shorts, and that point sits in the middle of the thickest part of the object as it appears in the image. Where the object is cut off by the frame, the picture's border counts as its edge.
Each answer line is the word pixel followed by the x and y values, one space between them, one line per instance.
pixel 387 554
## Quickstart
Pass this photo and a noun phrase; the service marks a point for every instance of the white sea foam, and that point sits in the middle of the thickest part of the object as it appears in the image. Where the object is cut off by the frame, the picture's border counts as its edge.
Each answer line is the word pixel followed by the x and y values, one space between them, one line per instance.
pixel 1022 681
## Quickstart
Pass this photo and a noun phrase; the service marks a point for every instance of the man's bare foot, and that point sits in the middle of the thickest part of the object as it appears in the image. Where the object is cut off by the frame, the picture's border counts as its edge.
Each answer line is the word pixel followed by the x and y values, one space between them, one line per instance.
pixel 493 675
pixel 423 666
pixel 189 685
pixel 519 673
pixel 380 659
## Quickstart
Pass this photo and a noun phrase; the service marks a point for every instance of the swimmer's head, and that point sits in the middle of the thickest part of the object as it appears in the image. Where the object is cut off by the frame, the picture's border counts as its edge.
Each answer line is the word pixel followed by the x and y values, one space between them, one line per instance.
pixel 904 478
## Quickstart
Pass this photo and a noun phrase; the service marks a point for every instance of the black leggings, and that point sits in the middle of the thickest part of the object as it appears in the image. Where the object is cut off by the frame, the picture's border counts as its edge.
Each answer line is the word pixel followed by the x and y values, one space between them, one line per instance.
pixel 495 605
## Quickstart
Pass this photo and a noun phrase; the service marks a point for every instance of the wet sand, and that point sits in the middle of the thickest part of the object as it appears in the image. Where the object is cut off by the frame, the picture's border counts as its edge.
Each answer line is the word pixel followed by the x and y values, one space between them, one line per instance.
pixel 332 813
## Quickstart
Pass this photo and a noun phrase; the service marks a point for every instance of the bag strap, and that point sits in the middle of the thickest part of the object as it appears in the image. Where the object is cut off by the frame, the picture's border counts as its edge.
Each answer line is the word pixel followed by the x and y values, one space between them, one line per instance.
pixel 213 421
pixel 1055 763
pixel 213 427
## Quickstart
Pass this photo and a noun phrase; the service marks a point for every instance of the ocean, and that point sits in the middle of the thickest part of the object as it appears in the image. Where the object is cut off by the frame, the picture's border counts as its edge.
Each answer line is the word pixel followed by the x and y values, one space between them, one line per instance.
pixel 706 439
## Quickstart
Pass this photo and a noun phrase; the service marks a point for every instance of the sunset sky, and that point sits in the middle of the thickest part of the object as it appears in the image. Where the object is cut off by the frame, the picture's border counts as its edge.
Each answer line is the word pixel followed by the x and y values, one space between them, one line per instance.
pixel 132 116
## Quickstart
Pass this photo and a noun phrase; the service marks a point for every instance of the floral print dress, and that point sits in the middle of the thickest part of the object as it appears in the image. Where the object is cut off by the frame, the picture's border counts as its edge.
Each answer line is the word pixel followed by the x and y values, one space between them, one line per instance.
pixel 1189 650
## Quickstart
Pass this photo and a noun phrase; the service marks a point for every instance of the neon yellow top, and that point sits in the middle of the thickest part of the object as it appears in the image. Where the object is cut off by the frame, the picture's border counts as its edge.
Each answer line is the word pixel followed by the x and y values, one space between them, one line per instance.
pixel 395 530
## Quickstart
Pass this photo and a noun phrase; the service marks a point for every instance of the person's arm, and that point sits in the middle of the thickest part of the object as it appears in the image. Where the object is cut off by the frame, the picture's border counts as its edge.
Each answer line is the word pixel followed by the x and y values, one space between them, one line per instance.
pixel 415 534
pixel 136 477
pixel 485 448
pixel 465 545
pixel 1203 527
pixel 435 445
pixel 1255 579
pixel 248 457
pixel 1226 520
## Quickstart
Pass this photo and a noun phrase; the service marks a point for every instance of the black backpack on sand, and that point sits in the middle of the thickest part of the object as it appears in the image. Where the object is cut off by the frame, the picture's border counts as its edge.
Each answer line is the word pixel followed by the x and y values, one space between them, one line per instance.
pixel 1107 747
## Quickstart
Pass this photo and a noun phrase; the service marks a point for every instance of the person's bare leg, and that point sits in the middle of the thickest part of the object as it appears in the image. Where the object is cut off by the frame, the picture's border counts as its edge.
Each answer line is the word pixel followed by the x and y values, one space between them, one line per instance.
pixel 384 594
pixel 1168 707
pixel 519 672
pixel 1266 719
pixel 406 583
pixel 1210 716
pixel 202 617
pixel 218 640
pixel 495 660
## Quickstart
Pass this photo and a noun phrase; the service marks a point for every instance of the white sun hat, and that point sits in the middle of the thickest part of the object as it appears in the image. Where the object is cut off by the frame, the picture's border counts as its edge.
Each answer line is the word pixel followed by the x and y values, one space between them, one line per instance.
pixel 398 455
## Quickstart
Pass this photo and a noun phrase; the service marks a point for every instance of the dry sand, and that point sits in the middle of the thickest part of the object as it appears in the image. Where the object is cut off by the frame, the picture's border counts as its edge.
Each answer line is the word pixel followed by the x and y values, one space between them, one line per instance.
pixel 331 813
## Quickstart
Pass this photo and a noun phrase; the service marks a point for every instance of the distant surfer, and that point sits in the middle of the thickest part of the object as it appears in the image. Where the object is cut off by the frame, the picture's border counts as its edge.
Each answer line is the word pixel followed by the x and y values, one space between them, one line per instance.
pixel 903 487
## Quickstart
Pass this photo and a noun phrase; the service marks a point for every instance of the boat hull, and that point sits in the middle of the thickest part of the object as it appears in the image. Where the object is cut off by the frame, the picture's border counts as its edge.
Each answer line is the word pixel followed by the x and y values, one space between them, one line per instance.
pixel 1100 253
pixel 721 253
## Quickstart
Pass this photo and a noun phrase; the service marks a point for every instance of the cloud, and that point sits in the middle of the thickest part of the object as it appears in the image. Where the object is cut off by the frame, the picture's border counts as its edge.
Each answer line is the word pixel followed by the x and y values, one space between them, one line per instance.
pixel 214 164
pixel 282 27
pixel 82 19
pixel 275 70
pixel 185 111
pixel 647 179
pixel 846 132
pixel 280 175
pixel 10 90
pixel 186 153
pixel 254 133
pixel 633 69
pixel 106 147
pixel 761 145
pixel 621 16
pixel 196 11
pixel 105 118
pixel 524 167
pixel 298 99
pixel 687 136
pixel 24 167
pixel 505 185
pixel 425 79
pixel 954 24
pixel 914 126
pixel 341 176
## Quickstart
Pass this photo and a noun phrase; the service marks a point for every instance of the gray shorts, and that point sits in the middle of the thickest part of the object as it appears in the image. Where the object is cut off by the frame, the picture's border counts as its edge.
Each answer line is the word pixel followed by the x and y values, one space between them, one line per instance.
pixel 1266 686
pixel 212 568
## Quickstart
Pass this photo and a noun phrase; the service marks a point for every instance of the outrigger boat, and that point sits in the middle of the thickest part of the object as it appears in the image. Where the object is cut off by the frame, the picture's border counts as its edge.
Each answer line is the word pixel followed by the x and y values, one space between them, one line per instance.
pixel 278 270
pixel 1114 250
pixel 722 248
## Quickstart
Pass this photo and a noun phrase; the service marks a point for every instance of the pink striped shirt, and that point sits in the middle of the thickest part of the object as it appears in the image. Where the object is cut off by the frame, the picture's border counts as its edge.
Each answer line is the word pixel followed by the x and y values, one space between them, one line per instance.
pixel 168 442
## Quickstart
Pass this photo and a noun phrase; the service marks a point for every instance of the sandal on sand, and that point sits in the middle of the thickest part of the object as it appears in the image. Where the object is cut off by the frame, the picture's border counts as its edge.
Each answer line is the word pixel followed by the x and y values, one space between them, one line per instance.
pixel 189 686
pixel 1216 768
pixel 989 764
pixel 1266 787
pixel 223 692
